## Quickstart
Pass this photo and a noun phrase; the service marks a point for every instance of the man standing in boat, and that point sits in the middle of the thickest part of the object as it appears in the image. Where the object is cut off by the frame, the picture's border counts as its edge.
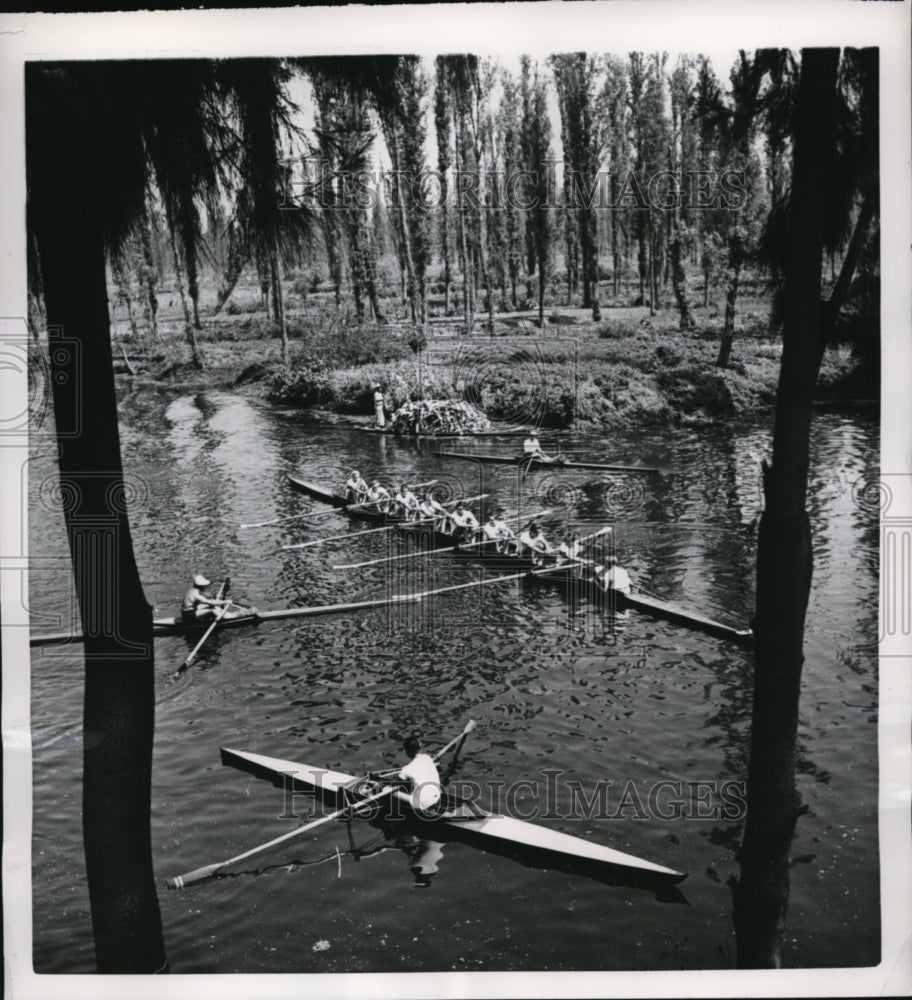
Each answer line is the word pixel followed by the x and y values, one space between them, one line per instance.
pixel 379 407
pixel 197 606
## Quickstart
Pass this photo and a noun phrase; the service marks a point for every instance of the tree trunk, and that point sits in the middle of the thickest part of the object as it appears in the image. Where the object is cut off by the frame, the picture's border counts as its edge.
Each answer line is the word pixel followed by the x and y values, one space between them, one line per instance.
pixel 784 555
pixel 278 302
pixel 731 299
pixel 64 209
pixel 149 277
pixel 188 322
pixel 679 280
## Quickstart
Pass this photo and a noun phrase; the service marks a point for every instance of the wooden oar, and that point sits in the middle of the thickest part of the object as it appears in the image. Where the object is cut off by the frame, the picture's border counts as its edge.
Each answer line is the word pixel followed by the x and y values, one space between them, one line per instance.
pixel 469 726
pixel 218 617
pixel 179 881
pixel 432 552
pixel 336 538
pixel 294 517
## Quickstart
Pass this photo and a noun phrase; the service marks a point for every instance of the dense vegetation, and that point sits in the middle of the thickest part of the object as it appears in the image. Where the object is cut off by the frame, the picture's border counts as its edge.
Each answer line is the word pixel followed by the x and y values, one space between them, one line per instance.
pixel 632 206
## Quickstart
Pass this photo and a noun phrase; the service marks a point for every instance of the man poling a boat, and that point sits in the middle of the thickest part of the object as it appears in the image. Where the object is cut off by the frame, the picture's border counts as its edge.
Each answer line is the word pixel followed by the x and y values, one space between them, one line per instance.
pixel 533 541
pixel 198 606
pixel 379 413
pixel 496 530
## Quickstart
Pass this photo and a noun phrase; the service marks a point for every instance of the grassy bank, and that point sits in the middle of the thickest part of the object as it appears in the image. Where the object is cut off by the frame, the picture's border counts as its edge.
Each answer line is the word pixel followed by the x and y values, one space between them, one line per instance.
pixel 627 369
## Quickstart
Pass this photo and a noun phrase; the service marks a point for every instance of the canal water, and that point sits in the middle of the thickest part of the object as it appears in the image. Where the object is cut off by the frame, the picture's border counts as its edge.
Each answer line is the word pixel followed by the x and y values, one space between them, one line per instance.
pixel 569 705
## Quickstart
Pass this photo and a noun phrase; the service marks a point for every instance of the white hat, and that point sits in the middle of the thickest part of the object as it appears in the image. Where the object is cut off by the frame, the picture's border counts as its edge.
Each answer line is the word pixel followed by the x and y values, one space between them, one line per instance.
pixel 200 581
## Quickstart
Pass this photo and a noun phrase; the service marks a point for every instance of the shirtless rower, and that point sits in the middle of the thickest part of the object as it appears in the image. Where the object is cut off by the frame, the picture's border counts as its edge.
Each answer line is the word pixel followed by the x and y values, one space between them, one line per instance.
pixel 198 606
pixel 356 489
pixel 496 530
pixel 534 540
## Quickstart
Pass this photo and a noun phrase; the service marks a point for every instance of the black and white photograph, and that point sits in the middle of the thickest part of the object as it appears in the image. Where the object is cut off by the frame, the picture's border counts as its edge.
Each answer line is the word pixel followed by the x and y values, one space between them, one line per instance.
pixel 456 532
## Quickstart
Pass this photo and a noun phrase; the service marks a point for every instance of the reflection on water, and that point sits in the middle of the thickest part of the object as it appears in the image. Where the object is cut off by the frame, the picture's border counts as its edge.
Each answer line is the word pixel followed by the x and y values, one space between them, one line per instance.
pixel 552 685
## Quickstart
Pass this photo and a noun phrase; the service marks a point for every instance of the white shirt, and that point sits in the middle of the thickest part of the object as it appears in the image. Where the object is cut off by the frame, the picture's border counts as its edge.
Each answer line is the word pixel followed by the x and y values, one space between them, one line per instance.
pixel 619 580
pixel 464 520
pixel 539 543
pixel 531 446
pixel 422 772
pixel 570 549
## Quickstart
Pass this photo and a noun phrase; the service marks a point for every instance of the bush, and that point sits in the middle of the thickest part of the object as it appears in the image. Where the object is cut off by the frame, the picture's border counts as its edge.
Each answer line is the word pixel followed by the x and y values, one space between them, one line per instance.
pixel 306 385
pixel 438 416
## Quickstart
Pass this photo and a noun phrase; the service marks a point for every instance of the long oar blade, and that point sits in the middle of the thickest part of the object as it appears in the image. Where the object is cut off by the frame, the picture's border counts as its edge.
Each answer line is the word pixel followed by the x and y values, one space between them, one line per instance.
pixel 179 881
pixel 470 725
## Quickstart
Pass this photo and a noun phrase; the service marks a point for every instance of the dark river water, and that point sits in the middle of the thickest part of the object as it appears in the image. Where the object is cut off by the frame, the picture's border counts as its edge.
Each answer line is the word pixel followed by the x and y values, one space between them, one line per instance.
pixel 552 687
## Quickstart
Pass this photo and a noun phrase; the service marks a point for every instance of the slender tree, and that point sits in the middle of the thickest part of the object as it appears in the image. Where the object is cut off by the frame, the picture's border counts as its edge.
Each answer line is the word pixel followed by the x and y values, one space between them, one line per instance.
pixel 833 197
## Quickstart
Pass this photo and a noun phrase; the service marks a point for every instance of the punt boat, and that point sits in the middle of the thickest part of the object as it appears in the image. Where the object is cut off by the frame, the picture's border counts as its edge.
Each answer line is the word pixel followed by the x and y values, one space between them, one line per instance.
pixel 565 576
pixel 545 463
pixel 467 818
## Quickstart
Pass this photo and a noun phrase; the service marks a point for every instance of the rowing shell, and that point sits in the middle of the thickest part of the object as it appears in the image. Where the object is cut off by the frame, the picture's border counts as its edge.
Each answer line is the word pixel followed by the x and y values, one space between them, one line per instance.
pixel 465 817
pixel 566 577
pixel 548 463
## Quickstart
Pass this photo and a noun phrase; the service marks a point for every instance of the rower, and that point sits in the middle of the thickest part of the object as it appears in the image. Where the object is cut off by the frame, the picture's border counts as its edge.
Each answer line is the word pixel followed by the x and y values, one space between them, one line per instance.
pixel 464 523
pixel 422 777
pixel 532 448
pixel 570 549
pixel 406 501
pixel 198 606
pixel 534 540
pixel 378 496
pixel 618 577
pixel 356 488
pixel 496 530
pixel 431 509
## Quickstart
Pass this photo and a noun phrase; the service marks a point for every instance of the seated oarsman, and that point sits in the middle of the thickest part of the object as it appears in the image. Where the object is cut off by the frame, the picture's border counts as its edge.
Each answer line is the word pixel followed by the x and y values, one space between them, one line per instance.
pixel 378 496
pixel 431 510
pixel 496 530
pixel 406 503
pixel 422 778
pixel 533 542
pixel 199 606
pixel 570 549
pixel 463 523
pixel 532 448
pixel 618 577
pixel 356 489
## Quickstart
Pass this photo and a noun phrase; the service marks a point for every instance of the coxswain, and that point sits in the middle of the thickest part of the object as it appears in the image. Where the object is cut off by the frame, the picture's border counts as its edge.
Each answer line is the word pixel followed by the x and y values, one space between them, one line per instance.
pixel 534 540
pixel 199 606
pixel 421 777
pixel 496 530
pixel 356 489
pixel 464 523
pixel 379 412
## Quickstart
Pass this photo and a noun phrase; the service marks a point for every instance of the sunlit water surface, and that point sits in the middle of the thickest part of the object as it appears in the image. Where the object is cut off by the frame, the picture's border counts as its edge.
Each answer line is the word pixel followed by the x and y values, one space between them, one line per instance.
pixel 551 687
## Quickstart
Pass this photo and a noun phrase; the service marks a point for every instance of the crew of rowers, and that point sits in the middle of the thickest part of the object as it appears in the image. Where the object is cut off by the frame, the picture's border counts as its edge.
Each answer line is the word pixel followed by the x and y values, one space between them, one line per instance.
pixel 419 505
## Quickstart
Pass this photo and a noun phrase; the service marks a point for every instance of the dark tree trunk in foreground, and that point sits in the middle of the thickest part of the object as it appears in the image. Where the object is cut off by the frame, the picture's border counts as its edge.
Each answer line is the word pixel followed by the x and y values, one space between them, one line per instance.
pixel 784 554
pixel 66 206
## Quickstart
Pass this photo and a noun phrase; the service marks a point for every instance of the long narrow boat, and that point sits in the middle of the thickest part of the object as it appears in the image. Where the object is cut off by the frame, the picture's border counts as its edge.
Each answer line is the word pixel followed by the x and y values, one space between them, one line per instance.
pixel 565 576
pixel 468 818
pixel 544 463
